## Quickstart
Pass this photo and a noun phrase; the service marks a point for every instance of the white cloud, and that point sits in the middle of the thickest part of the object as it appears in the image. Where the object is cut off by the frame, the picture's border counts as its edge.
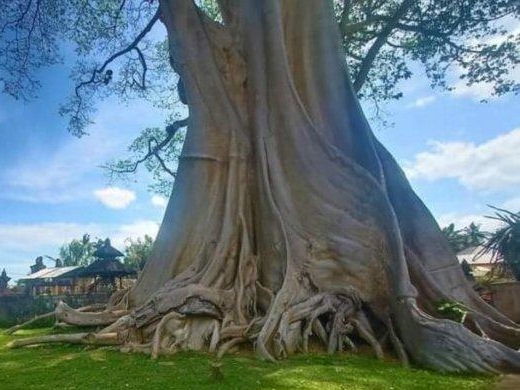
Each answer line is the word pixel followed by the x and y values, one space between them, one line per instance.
pixel 422 102
pixel 57 177
pixel 512 205
pixel 115 197
pixel 489 166
pixel 480 91
pixel 462 220
pixel 484 91
pixel 159 201
pixel 20 244
pixel 69 170
pixel 134 230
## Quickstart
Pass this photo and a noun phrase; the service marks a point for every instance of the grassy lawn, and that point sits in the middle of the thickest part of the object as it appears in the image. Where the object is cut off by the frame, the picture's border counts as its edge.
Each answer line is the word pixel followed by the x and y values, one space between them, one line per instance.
pixel 68 367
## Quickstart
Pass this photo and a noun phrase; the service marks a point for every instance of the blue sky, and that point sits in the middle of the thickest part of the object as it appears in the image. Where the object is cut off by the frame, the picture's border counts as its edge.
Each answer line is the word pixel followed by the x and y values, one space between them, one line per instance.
pixel 460 154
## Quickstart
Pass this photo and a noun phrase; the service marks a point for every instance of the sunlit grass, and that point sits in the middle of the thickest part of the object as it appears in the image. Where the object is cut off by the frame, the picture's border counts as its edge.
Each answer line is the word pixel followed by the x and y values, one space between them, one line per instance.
pixel 76 367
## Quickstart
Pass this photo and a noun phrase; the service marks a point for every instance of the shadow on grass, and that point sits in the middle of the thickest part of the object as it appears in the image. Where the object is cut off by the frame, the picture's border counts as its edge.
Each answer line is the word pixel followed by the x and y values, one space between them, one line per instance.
pixel 77 367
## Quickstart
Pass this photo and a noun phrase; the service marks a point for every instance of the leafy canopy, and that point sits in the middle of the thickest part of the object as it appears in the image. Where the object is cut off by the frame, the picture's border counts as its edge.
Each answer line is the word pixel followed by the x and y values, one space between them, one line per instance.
pixel 78 251
pixel 470 236
pixel 137 252
pixel 120 50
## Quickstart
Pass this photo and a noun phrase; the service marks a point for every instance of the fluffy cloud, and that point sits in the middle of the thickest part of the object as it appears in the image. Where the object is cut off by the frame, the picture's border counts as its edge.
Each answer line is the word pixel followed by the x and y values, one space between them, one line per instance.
pixel 159 201
pixel 512 204
pixel 115 197
pixel 69 170
pixel 484 91
pixel 422 102
pixel 489 166
pixel 21 243
pixel 462 220
pixel 134 230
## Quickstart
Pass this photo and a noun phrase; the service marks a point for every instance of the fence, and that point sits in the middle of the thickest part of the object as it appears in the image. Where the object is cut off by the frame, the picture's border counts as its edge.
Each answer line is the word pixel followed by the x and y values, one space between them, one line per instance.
pixel 506 298
pixel 18 308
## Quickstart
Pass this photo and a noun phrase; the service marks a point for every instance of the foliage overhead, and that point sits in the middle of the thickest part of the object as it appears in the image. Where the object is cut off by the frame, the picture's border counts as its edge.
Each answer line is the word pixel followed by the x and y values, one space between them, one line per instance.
pixel 121 51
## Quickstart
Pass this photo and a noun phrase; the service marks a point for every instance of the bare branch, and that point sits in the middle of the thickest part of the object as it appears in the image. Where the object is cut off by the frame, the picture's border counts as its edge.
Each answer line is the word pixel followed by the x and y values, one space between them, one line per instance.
pixel 130 47
pixel 154 147
pixel 380 41
pixel 102 75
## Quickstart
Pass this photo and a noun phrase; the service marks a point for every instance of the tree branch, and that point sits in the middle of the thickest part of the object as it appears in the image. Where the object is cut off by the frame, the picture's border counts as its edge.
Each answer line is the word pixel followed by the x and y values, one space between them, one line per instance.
pixel 102 75
pixel 153 150
pixel 130 47
pixel 371 55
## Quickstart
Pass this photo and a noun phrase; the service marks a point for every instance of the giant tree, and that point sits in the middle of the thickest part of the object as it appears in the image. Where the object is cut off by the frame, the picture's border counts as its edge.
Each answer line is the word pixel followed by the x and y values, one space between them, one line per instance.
pixel 289 222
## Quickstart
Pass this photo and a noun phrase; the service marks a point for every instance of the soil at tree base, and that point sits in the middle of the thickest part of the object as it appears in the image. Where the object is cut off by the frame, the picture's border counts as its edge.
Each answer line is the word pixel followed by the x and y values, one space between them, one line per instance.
pixel 508 382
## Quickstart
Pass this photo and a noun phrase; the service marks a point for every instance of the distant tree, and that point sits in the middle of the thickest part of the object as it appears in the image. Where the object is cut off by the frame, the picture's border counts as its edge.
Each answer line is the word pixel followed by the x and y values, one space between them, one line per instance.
pixel 78 251
pixel 455 237
pixel 473 235
pixel 289 219
pixel 137 252
pixel 467 237
pixel 504 243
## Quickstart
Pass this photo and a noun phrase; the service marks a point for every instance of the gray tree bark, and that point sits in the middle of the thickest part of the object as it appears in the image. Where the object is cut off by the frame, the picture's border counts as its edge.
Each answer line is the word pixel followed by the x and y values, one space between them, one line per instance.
pixel 289 221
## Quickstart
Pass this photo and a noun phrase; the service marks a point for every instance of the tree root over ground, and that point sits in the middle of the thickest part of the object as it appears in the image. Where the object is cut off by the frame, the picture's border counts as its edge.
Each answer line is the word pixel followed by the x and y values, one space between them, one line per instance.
pixel 282 196
pixel 338 319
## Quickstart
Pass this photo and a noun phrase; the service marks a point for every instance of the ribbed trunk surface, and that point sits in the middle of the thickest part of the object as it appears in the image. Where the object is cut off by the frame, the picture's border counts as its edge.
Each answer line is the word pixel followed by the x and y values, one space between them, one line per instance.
pixel 288 218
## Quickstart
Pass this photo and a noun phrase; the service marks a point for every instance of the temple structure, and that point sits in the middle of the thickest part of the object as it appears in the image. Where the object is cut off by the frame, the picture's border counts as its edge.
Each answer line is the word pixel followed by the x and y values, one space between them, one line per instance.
pixel 107 269
pixel 38 265
pixel 55 281
pixel 4 281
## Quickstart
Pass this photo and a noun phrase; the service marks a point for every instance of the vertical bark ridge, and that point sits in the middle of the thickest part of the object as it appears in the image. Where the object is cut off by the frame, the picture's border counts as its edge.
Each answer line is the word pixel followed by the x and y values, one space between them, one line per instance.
pixel 288 218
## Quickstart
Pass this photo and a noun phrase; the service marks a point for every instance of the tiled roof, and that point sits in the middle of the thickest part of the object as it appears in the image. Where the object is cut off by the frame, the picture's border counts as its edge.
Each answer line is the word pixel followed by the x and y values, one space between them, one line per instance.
pixel 51 273
pixel 473 256
pixel 107 267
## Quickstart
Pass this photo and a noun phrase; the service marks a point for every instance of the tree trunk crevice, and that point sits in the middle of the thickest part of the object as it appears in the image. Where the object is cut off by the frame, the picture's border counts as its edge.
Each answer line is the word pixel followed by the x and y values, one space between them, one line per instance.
pixel 288 219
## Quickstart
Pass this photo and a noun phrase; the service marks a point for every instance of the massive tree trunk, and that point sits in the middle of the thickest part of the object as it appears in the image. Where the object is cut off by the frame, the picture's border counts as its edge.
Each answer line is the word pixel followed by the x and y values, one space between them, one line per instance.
pixel 289 221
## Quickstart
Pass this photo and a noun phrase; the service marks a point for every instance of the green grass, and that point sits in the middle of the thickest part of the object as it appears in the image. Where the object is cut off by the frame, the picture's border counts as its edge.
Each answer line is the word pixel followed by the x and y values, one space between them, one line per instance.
pixel 68 367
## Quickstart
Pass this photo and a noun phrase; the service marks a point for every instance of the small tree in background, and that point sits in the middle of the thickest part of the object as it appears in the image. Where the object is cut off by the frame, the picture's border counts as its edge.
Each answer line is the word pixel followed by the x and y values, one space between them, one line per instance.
pixel 461 239
pixel 504 243
pixel 288 217
pixel 78 252
pixel 473 235
pixel 137 252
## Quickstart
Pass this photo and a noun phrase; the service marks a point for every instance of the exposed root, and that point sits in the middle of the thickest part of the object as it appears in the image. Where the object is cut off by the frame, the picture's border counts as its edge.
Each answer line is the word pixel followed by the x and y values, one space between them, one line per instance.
pixel 158 337
pixel 332 316
pixel 448 346
pixel 224 348
pixel 74 338
pixel 397 344
pixel 70 316
pixel 15 328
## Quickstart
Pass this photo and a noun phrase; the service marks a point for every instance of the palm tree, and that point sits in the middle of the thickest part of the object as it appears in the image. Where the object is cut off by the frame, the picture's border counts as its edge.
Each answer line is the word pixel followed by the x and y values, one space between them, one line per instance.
pixel 504 243
pixel 473 236
pixel 455 237
pixel 78 252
